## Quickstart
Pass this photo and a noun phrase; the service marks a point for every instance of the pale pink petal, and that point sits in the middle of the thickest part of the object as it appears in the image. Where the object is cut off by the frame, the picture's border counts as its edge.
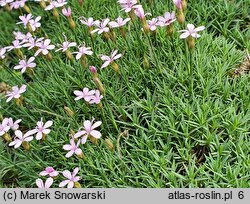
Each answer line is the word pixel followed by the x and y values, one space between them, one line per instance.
pixel 95 134
pixel 64 183
pixel 67 174
pixel 48 182
pixel 39 183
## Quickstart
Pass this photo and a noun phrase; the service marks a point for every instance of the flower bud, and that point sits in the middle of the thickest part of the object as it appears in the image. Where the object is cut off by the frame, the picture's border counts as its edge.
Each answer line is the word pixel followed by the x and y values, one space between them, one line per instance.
pixel 68 111
pixel 69 55
pixel 77 185
pixel 122 32
pixel 7 137
pixel 170 30
pixel 191 42
pixel 115 67
pixel 180 16
pixel 71 23
pixel 99 85
pixel 109 144
pixel 19 101
pixel 83 61
pixel 80 2
pixel 42 4
pixel 49 56
pixel 132 15
pixel 81 156
pixel 56 14
pixel 93 140
pixel 26 145
pixel 26 8
pixel 184 5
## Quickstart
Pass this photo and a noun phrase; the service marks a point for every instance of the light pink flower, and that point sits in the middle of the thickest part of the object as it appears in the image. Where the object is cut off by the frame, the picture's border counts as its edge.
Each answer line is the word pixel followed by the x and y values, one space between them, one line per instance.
pixel 16 92
pixel 16 44
pixel 178 4
pixel 25 19
pixel 89 22
pixel 102 26
pixel 13 125
pixel 119 22
pixel 20 138
pixel 24 64
pixel 17 4
pixel 139 11
pixel 191 31
pixel 167 19
pixel 2 52
pixel 49 171
pixel 152 24
pixel 96 98
pixel 66 12
pixel 33 42
pixel 34 24
pixel 83 51
pixel 108 60
pixel 127 5
pixel 72 148
pixel 4 126
pixel 89 130
pixel 44 47
pixel 71 178
pixel 42 128
pixel 93 69
pixel 66 45
pixel 23 37
pixel 55 4
pixel 47 184
pixel 86 94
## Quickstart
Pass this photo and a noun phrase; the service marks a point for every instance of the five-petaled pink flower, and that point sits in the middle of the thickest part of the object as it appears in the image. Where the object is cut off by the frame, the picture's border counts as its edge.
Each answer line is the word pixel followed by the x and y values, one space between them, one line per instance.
pixel 71 178
pixel 42 128
pixel 83 51
pixel 16 44
pixel 66 12
pixel 89 130
pixel 47 184
pixel 44 47
pixel 35 23
pixel 86 94
pixel 33 42
pixel 89 22
pixel 127 5
pixel 20 138
pixel 5 2
pixel 73 148
pixel 108 60
pixel 167 19
pixel 49 171
pixel 96 99
pixel 25 19
pixel 152 24
pixel 66 45
pixel 13 125
pixel 191 31
pixel 119 22
pixel 24 64
pixel 16 92
pixel 139 11
pixel 102 26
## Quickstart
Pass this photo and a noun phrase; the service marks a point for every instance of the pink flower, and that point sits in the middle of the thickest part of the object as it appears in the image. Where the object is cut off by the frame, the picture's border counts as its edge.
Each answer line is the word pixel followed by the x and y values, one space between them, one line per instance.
pixel 16 44
pixel 127 5
pixel 71 178
pixel 16 92
pixel 89 130
pixel 152 24
pixel 2 52
pixel 102 26
pixel 20 138
pixel 49 171
pixel 83 51
pixel 33 42
pixel 4 126
pixel 72 148
pixel 108 60
pixel 119 22
pixel 24 64
pixel 96 98
pixel 55 4
pixel 42 129
pixel 13 125
pixel 191 31
pixel 167 19
pixel 23 37
pixel 89 22
pixel 34 24
pixel 47 183
pixel 66 12
pixel 17 4
pixel 86 94
pixel 178 4
pixel 44 47
pixel 93 69
pixel 66 45
pixel 25 19
pixel 139 11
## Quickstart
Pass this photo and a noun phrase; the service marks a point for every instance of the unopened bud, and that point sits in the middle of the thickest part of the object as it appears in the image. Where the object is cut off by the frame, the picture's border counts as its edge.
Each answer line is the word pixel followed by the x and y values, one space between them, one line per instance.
pixel 184 5
pixel 71 23
pixel 180 16
pixel 56 14
pixel 93 140
pixel 26 145
pixel 81 155
pixel 146 63
pixel 68 111
pixel 69 55
pixel 109 144
pixel 191 42
pixel 19 101
pixel 42 4
pixel 83 61
pixel 7 137
pixel 99 85
pixel 26 8
pixel 115 67
pixel 49 56
pixel 170 30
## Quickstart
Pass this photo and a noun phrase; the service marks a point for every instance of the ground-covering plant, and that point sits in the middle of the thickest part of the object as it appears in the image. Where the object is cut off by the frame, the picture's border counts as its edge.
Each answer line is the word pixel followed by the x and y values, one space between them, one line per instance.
pixel 126 93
